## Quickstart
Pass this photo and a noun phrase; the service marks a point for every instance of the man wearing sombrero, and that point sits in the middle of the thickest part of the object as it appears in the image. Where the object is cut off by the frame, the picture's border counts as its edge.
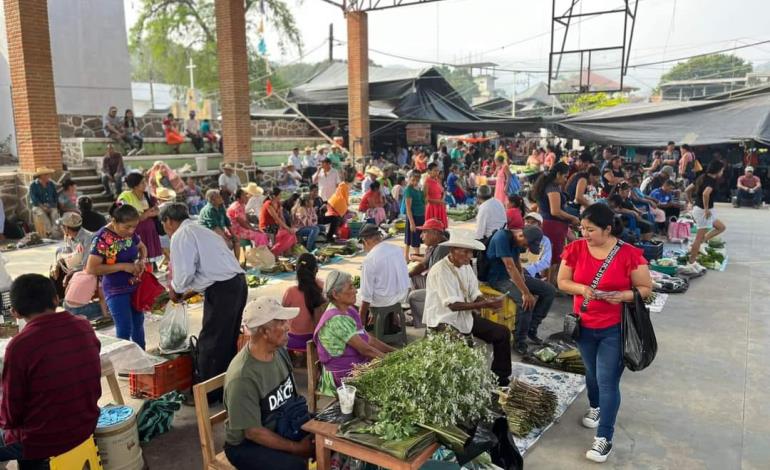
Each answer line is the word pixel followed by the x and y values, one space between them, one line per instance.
pixel 42 198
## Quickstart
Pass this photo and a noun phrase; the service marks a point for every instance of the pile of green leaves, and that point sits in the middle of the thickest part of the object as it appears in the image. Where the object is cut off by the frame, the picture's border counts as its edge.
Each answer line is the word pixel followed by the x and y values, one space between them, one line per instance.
pixel 438 381
pixel 712 259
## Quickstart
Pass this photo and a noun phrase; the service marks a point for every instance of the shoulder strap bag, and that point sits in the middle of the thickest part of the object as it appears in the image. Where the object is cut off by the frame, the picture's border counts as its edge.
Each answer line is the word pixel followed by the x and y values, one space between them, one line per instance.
pixel 572 320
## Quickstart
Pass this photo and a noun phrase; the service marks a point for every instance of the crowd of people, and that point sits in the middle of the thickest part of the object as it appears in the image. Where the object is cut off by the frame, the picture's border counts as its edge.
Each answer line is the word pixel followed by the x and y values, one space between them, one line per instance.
pixel 569 226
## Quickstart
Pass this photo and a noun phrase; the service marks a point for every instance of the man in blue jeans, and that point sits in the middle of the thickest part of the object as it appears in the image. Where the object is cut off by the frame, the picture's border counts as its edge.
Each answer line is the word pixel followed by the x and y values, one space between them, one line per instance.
pixel 507 276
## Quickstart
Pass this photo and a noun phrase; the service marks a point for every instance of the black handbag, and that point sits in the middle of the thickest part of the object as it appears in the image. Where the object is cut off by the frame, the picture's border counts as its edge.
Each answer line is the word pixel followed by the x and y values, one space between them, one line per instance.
pixel 637 335
pixel 572 319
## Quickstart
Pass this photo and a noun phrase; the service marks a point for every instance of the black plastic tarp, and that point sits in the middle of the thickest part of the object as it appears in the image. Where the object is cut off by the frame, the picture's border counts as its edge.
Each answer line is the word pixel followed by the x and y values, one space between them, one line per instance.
pixel 706 122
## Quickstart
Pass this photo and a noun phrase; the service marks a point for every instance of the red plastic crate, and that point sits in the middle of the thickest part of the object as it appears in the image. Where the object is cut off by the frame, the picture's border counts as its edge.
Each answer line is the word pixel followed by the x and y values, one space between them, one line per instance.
pixel 174 374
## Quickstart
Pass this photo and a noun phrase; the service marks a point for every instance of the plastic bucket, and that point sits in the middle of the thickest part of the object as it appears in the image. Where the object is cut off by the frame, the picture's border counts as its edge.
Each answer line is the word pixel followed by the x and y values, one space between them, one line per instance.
pixel 117 438
pixel 201 163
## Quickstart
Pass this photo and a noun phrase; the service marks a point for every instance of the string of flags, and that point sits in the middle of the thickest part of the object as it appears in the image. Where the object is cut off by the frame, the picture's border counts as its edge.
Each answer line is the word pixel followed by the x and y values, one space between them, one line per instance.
pixel 262 46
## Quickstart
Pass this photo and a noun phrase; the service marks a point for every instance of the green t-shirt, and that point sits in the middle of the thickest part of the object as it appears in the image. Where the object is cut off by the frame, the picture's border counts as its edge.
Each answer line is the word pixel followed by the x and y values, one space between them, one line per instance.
pixel 336 333
pixel 213 217
pixel 336 160
pixel 254 389
pixel 418 200
pixel 456 154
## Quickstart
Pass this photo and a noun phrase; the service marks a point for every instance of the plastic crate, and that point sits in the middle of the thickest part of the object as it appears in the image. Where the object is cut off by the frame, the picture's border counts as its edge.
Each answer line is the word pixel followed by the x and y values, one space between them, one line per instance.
pixel 173 374
pixel 670 270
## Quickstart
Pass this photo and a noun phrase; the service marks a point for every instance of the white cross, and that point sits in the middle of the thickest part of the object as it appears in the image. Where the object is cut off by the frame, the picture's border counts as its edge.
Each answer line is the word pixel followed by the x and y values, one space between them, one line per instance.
pixel 191 67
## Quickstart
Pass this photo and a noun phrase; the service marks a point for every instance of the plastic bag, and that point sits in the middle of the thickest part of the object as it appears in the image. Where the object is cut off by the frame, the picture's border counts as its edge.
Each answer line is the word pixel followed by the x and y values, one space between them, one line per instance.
pixel 147 292
pixel 173 329
pixel 5 278
pixel 639 343
pixel 260 257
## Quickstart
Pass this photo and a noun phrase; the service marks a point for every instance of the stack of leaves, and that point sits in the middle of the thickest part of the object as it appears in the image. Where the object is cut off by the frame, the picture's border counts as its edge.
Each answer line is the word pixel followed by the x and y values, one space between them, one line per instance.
pixel 438 381
pixel 713 259
pixel 255 281
pixel 528 407
pixel 571 361
pixel 461 213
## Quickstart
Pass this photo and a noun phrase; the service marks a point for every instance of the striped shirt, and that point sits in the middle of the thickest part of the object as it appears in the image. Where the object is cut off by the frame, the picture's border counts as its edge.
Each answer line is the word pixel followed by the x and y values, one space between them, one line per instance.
pixel 51 385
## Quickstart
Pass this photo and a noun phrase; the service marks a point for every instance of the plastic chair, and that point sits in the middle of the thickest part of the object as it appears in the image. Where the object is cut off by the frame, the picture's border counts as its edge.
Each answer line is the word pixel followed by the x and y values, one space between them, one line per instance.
pixel 83 457
pixel 381 321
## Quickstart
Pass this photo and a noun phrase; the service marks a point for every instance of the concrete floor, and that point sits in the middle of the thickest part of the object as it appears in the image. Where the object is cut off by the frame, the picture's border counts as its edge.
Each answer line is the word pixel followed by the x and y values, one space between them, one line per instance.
pixel 701 405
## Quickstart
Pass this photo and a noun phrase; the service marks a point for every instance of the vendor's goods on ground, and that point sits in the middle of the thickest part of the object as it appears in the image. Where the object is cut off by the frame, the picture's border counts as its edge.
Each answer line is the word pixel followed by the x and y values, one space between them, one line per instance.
pixel 461 212
pixel 528 407
pixel 253 280
pixel 437 381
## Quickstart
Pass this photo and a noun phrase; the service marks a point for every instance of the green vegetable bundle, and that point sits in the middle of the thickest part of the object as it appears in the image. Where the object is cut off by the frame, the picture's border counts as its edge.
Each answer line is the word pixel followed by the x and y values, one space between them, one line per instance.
pixel 255 281
pixel 571 361
pixel 461 214
pixel 528 407
pixel 437 381
pixel 357 281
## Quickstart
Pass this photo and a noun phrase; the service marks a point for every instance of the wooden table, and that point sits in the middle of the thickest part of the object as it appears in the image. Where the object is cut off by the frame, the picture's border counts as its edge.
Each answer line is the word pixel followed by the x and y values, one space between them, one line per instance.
pixel 326 440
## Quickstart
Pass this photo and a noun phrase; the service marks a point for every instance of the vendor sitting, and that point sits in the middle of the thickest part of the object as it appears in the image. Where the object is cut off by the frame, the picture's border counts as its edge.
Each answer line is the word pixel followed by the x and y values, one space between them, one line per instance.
pixel 259 388
pixel 340 337
pixel 214 216
pixel 750 188
pixel 453 295
pixel 372 204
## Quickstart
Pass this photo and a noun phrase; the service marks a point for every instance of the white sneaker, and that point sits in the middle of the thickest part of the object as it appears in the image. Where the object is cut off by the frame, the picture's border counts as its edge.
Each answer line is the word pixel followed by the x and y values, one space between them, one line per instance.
pixel 600 450
pixel 699 267
pixel 591 418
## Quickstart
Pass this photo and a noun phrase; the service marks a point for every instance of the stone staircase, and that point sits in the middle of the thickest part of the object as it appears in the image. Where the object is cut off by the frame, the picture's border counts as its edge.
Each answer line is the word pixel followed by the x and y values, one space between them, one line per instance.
pixel 89 184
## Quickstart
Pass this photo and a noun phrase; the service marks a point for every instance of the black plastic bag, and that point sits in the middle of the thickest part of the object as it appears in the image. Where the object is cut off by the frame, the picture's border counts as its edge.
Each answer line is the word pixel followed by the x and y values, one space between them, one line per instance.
pixel 638 336
pixel 505 454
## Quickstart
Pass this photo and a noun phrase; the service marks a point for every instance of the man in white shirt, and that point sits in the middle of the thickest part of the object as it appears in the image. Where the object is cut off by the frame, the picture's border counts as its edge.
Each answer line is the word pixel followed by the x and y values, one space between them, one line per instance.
pixel 294 158
pixel 491 215
pixel 384 276
pixel 229 182
pixel 202 263
pixel 327 179
pixel 288 178
pixel 453 296
pixel 309 164
pixel 192 129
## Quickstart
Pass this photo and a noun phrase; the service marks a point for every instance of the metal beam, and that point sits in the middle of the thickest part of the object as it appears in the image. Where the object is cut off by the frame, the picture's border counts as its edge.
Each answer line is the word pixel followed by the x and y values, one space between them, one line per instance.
pixel 374 5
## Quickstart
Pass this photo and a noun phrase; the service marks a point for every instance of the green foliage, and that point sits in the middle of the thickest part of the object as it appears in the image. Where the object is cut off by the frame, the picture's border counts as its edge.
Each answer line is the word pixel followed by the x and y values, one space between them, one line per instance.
pixel 168 32
pixel 589 101
pixel 708 66
pixel 438 381
pixel 461 80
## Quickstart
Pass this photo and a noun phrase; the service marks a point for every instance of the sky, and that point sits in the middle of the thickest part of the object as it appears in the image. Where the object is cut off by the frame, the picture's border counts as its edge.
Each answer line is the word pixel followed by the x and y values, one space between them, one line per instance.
pixel 515 34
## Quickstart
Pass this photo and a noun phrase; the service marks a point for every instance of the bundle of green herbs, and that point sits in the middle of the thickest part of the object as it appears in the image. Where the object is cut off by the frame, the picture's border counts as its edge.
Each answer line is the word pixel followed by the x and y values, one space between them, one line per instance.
pixel 438 381
pixel 528 407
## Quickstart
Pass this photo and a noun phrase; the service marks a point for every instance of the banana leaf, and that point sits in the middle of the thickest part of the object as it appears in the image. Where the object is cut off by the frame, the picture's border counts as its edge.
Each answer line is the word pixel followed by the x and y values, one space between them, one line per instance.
pixel 404 449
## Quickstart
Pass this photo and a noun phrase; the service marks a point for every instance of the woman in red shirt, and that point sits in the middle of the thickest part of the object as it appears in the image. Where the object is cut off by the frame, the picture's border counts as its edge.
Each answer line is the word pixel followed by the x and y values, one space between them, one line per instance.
pixel 599 342
pixel 372 204
pixel 434 196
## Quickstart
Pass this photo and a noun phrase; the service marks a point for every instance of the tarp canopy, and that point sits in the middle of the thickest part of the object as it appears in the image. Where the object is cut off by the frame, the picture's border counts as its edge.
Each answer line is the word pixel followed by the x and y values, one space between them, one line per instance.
pixel 706 122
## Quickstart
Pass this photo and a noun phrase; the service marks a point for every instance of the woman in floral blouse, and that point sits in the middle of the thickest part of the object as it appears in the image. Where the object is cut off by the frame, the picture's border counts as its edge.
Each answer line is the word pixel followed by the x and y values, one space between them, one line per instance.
pixel 305 220
pixel 239 223
pixel 119 257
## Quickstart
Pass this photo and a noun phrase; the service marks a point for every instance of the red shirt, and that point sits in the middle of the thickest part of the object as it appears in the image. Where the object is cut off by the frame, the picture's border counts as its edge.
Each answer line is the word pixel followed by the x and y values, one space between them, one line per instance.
pixel 370 200
pixel 515 220
pixel 601 314
pixel 51 385
pixel 265 219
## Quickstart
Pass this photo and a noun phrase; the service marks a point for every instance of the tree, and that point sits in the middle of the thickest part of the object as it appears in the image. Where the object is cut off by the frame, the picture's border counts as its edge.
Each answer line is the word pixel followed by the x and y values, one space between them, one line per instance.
pixel 168 33
pixel 461 80
pixel 589 101
pixel 708 66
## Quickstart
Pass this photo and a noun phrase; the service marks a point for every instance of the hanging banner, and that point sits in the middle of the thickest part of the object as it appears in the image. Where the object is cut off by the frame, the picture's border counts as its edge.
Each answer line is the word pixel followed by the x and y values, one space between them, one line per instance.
pixel 418 134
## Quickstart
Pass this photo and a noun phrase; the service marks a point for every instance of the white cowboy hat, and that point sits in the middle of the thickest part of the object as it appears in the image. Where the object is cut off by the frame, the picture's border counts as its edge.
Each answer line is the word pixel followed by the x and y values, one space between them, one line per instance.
pixel 463 239
pixel 165 194
pixel 253 189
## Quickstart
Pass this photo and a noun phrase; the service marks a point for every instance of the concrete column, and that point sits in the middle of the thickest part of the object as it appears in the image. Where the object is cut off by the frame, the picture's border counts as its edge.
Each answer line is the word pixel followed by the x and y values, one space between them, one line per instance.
pixel 233 80
pixel 358 83
pixel 32 87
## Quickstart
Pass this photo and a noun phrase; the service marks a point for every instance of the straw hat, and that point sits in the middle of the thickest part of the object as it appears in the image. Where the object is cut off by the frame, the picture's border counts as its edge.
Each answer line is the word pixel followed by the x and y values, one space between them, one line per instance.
pixel 43 170
pixel 227 166
pixel 253 189
pixel 308 149
pixel 463 239
pixel 165 194
pixel 375 171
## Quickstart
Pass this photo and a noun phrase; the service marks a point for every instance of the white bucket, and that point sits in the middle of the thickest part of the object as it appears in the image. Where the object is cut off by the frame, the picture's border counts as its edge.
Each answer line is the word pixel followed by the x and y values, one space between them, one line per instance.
pixel 201 163
pixel 118 442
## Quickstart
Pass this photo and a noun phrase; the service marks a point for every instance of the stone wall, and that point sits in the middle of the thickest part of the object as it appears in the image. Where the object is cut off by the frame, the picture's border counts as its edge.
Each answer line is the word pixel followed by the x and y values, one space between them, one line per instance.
pixel 75 125
pixel 14 195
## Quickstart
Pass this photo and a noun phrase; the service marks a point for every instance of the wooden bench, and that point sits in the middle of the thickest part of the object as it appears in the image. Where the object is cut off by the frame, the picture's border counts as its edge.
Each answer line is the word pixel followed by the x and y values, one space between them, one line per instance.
pixel 211 459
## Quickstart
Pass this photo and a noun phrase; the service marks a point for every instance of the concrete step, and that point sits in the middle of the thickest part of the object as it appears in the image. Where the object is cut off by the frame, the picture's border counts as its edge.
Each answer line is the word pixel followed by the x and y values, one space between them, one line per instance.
pixel 90 189
pixel 92 180
pixel 76 171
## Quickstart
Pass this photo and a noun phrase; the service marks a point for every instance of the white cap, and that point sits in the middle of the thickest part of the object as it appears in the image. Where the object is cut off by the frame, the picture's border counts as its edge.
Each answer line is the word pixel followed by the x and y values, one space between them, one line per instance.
pixel 264 309
pixel 749 169
pixel 534 215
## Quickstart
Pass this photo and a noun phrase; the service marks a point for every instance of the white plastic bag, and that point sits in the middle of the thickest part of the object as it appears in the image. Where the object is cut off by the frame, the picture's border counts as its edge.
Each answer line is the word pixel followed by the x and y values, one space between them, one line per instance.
pixel 260 257
pixel 5 278
pixel 173 329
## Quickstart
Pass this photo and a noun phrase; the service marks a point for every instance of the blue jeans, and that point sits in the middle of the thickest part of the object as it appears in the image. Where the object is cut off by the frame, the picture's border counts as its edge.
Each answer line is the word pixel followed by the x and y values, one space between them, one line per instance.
pixel 601 350
pixel 755 198
pixel 129 322
pixel 527 322
pixel 311 233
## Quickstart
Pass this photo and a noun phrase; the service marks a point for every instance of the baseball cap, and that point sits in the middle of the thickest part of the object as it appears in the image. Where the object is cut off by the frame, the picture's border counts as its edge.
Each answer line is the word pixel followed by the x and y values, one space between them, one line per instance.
pixel 534 236
pixel 534 215
pixel 368 230
pixel 749 169
pixel 432 224
pixel 71 219
pixel 264 309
